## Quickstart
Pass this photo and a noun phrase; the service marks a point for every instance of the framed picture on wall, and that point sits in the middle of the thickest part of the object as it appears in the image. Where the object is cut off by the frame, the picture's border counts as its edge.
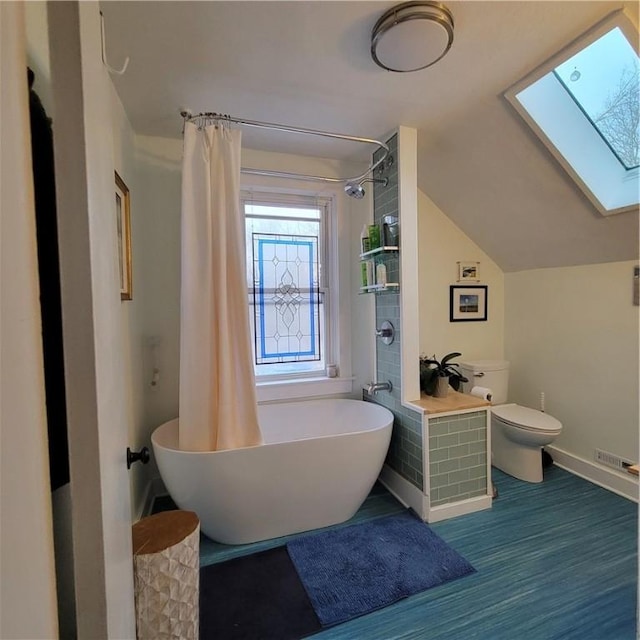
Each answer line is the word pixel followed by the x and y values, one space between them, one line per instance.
pixel 468 271
pixel 123 223
pixel 467 303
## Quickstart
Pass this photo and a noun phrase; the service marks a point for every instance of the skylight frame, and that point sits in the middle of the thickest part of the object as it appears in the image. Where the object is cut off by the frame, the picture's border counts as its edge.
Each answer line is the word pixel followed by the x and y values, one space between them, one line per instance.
pixel 584 126
pixel 574 88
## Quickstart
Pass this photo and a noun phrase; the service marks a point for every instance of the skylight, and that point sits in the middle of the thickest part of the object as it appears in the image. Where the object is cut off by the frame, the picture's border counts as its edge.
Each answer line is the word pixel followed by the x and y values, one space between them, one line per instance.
pixel 603 80
pixel 584 105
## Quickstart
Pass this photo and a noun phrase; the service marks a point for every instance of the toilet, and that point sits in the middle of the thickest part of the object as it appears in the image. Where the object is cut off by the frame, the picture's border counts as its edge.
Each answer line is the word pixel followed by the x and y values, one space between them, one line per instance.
pixel 517 433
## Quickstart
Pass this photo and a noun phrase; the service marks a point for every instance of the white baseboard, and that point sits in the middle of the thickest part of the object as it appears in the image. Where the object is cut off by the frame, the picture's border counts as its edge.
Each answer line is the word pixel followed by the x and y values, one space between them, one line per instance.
pixel 461 508
pixel 408 494
pixel 610 479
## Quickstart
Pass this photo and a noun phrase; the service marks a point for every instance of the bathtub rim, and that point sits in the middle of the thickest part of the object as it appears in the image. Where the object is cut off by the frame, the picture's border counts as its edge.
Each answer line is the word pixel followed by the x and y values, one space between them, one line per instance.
pixel 170 425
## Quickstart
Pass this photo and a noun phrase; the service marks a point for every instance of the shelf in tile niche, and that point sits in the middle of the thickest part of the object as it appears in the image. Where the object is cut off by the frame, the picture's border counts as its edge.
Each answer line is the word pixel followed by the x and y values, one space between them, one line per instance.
pixel 379 288
pixel 374 252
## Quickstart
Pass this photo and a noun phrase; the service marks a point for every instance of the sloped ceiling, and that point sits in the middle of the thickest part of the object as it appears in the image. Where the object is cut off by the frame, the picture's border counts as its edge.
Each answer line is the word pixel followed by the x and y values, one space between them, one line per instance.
pixel 307 64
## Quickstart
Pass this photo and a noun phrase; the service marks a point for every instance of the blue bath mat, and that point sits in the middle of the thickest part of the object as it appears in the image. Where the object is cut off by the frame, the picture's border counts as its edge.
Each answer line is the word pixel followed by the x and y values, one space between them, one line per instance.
pixel 352 571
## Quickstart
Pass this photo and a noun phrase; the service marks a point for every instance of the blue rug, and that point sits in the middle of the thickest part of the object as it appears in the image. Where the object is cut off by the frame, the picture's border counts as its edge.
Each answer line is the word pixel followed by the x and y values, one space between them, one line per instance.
pixel 352 571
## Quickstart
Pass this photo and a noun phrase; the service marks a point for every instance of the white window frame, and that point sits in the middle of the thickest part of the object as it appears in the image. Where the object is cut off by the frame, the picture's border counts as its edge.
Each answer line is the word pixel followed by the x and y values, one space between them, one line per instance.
pixel 288 386
pixel 568 134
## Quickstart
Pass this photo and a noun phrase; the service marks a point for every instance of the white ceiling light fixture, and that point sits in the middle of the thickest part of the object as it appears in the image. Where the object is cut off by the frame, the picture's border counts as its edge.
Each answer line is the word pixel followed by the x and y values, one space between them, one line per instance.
pixel 412 36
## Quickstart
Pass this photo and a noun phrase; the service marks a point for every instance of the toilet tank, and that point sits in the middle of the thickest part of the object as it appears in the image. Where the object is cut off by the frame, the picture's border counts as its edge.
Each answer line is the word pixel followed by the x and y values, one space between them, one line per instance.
pixel 493 374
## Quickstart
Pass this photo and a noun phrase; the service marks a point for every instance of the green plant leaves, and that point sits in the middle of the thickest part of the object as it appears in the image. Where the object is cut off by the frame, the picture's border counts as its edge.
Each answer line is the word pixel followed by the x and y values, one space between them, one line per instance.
pixel 449 356
pixel 431 369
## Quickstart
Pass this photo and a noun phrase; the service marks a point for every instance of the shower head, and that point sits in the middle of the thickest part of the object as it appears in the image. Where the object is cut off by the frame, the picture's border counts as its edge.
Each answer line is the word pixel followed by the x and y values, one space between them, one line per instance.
pixel 356 190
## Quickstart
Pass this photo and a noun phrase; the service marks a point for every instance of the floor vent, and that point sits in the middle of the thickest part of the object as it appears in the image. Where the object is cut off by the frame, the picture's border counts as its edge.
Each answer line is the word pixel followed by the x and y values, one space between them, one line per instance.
pixel 611 460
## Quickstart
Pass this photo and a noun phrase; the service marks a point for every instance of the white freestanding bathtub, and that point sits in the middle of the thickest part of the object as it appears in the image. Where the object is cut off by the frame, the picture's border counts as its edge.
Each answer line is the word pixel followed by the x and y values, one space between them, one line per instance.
pixel 318 464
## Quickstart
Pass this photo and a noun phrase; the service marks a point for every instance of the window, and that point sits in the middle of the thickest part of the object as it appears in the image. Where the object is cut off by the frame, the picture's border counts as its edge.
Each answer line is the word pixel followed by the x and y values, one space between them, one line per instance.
pixel 603 81
pixel 288 283
pixel 583 104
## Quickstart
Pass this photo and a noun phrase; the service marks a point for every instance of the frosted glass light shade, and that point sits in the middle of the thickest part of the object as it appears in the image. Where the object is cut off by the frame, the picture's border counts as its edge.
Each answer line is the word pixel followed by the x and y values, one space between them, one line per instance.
pixel 412 36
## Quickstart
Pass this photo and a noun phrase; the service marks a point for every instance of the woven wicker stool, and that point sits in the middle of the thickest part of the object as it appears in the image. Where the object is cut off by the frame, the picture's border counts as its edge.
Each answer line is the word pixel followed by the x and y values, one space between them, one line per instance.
pixel 166 563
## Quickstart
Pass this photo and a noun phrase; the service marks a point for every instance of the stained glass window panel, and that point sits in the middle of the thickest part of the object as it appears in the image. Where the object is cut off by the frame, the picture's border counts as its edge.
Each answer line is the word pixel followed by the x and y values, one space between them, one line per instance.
pixel 286 298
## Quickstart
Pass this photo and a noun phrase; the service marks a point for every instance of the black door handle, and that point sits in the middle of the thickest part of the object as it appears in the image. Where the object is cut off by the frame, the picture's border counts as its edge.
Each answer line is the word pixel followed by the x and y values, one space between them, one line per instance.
pixel 134 456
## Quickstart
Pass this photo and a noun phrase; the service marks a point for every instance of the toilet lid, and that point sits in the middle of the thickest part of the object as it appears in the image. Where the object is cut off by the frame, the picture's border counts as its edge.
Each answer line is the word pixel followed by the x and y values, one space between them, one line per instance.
pixel 526 418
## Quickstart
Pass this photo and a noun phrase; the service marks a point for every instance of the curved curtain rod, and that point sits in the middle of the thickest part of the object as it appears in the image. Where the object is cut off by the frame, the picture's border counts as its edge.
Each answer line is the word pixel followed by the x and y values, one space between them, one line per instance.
pixel 203 117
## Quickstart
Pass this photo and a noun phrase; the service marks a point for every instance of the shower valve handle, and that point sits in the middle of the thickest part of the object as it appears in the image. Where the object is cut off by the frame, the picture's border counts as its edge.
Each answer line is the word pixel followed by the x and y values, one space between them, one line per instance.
pixel 386 332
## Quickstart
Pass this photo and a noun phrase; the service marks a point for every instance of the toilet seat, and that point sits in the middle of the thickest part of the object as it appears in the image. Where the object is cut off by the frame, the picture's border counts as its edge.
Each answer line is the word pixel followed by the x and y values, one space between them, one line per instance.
pixel 527 419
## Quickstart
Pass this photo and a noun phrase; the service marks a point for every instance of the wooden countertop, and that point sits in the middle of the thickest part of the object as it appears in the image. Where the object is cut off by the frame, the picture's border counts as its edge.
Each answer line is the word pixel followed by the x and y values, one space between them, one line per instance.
pixel 455 401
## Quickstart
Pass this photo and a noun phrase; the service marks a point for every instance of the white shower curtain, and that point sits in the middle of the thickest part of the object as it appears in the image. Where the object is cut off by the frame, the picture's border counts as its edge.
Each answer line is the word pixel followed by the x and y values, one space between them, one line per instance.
pixel 218 408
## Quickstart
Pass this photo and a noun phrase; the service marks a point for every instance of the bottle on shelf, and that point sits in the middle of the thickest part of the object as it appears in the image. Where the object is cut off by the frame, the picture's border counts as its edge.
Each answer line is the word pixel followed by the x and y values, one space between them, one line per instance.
pixel 374 236
pixel 364 239
pixel 390 231
pixel 371 276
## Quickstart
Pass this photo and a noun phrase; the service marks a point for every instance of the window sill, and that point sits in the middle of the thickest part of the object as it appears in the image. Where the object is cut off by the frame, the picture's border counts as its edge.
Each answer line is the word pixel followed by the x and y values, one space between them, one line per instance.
pixel 306 388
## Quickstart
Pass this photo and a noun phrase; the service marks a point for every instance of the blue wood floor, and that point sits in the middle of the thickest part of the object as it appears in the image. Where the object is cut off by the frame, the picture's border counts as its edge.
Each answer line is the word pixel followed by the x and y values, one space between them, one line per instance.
pixel 556 560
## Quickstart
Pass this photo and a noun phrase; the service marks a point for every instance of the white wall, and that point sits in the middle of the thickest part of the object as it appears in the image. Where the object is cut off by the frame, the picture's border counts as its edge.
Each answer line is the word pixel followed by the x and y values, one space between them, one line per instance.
pixel 97 418
pixel 156 270
pixel 569 332
pixel 408 217
pixel 155 220
pixel 572 332
pixel 441 245
pixel 37 29
pixel 132 311
pixel 27 580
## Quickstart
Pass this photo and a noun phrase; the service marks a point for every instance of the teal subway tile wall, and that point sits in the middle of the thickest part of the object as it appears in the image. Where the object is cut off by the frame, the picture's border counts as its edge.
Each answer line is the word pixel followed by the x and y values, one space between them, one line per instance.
pixel 405 454
pixel 457 457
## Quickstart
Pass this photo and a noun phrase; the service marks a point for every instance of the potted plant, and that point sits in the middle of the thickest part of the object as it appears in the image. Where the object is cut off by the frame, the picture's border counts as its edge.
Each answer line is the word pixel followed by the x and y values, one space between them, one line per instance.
pixel 437 375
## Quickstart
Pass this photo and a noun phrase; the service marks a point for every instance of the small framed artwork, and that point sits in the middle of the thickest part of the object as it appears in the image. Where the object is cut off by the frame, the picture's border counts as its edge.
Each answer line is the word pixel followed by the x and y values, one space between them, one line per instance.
pixel 468 272
pixel 467 303
pixel 123 222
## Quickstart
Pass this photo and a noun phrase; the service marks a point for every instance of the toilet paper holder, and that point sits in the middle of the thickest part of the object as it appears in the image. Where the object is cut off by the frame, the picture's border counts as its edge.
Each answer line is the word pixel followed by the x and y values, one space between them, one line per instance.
pixel 482 392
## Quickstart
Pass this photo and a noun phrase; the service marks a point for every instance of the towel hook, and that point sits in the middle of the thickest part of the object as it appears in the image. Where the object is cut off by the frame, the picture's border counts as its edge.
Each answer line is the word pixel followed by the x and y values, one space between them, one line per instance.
pixel 104 52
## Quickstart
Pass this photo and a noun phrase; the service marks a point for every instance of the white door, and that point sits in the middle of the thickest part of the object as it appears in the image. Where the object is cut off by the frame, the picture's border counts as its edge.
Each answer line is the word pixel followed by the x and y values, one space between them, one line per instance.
pixel 27 579
pixel 97 421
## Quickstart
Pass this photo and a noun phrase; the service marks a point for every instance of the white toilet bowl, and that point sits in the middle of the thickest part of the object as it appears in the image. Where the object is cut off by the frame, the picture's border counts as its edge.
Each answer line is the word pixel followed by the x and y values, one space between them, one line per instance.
pixel 517 437
pixel 517 433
